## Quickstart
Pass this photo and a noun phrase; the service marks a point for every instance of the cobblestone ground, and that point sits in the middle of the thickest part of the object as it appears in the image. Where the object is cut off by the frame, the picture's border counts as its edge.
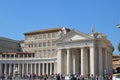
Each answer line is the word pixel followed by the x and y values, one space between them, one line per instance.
pixel 37 79
pixel 25 79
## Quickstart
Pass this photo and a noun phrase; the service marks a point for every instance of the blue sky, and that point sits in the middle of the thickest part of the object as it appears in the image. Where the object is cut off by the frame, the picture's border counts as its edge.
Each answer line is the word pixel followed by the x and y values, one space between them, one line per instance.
pixel 20 16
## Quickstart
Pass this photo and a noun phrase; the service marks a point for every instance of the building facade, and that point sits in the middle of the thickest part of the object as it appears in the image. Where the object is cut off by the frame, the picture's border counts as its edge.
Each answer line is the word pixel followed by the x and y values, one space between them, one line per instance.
pixel 84 53
pixel 60 50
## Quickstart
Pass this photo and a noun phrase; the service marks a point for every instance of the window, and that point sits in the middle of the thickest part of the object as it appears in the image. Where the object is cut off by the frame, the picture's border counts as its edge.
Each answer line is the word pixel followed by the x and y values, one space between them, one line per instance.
pixel 49 43
pixel 40 51
pixel 35 36
pixel 31 44
pixel 53 43
pixel 44 36
pixel 40 44
pixel 28 45
pixel 44 51
pixel 49 35
pixel 49 52
pixel 53 50
pixel 40 36
pixel 35 44
pixel 35 51
pixel 53 35
pixel 44 44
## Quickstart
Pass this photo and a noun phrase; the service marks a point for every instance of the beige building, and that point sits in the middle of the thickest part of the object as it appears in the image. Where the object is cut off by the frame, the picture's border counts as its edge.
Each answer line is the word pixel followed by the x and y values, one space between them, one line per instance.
pixel 60 50
pixel 42 42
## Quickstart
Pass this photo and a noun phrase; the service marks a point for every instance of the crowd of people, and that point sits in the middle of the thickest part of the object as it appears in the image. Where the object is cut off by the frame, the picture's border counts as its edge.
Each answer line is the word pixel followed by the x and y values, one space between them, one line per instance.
pixel 56 77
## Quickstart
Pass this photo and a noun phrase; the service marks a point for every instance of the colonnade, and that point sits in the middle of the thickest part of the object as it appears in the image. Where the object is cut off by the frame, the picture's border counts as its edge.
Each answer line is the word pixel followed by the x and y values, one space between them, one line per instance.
pixel 92 60
pixel 25 68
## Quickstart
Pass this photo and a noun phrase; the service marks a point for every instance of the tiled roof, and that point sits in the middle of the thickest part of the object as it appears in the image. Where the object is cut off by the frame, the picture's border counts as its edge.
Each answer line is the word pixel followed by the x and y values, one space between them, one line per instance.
pixel 8 39
pixel 45 30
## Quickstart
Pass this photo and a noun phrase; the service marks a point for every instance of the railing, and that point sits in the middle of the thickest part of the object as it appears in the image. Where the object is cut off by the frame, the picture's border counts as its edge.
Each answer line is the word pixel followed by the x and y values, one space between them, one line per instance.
pixel 31 58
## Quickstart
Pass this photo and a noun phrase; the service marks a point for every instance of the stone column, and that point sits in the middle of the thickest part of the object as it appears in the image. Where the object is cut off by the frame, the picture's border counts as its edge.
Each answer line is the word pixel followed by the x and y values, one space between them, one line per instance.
pixel 92 60
pixel 35 68
pixel 83 61
pixel 109 62
pixel 106 63
pixel 20 68
pixel 5 69
pixel 77 63
pixel 55 68
pixel 100 61
pixel 27 55
pixel 0 68
pixel 31 68
pixel 23 69
pixel 9 68
pixel 50 68
pixel 14 55
pixel 43 69
pixel 27 68
pixel 69 61
pixel 47 68
pixel 39 67
pixel 14 65
pixel 74 64
pixel 59 61
pixel 111 66
pixel 86 62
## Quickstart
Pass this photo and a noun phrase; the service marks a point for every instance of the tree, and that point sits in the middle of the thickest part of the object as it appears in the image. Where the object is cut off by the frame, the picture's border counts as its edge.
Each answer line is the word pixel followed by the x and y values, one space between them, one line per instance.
pixel 119 47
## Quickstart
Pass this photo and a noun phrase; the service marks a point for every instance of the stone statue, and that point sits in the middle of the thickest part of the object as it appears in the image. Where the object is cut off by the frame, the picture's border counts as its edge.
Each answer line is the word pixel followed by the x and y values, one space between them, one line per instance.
pixel 16 73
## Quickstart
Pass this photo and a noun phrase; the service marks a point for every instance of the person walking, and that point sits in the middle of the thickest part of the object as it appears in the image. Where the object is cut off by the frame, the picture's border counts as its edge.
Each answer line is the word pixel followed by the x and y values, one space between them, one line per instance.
pixel 45 76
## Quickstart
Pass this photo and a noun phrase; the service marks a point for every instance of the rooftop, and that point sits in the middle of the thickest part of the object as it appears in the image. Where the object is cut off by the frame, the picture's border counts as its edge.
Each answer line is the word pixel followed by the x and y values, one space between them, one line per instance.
pixel 45 30
pixel 8 39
